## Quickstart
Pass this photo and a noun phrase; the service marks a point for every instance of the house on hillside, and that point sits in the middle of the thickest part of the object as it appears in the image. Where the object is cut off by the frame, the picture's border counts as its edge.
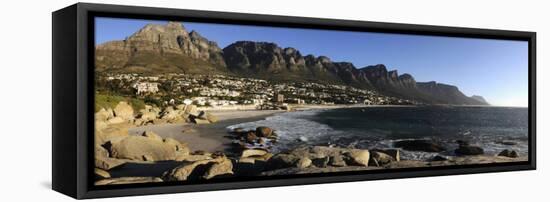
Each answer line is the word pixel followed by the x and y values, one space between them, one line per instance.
pixel 143 88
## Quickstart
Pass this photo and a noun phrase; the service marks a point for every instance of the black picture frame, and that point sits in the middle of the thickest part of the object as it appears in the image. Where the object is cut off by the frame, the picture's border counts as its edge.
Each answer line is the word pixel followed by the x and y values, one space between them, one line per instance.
pixel 73 98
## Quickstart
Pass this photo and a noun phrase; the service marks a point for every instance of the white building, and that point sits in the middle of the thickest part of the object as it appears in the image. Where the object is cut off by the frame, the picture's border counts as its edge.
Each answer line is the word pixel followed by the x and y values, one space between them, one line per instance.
pixel 145 88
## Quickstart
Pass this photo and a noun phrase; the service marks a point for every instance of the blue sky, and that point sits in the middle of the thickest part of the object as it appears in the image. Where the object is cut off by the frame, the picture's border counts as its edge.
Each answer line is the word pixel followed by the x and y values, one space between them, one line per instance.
pixel 494 69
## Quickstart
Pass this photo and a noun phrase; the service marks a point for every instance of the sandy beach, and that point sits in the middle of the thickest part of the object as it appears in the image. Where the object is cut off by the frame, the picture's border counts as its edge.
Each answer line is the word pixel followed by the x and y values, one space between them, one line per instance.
pixel 208 137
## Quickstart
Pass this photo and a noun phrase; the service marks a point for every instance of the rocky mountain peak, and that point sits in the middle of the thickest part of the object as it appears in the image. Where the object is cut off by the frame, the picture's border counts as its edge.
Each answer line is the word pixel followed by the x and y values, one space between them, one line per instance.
pixel 175 25
pixel 406 77
pixel 156 41
pixel 324 59
pixel 393 74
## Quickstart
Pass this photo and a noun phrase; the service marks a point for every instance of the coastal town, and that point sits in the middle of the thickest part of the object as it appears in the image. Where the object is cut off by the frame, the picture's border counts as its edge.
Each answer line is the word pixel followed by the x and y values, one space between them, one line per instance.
pixel 220 91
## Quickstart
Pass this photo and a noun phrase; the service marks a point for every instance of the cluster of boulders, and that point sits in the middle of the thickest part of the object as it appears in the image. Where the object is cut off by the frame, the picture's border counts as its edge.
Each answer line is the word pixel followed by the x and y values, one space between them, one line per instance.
pixel 322 156
pixel 272 106
pixel 111 123
pixel 124 113
pixel 260 138
pixel 257 161
pixel 255 156
pixel 464 148
pixel 149 148
pixel 202 166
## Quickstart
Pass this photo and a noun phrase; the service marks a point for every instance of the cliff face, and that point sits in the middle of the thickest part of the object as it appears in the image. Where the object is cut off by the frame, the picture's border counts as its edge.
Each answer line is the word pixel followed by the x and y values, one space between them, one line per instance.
pixel 164 48
pixel 443 93
pixel 269 61
pixel 170 48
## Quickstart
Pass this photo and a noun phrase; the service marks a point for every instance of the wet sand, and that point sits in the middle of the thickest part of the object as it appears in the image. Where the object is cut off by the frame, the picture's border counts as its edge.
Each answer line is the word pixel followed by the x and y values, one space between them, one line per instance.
pixel 208 137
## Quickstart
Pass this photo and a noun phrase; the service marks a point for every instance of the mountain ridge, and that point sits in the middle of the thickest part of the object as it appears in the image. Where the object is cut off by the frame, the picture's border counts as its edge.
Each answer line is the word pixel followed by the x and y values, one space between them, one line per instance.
pixel 171 48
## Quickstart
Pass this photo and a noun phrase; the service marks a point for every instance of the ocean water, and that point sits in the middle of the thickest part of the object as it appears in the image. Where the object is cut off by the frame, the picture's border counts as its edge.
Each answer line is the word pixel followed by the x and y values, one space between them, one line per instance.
pixel 379 127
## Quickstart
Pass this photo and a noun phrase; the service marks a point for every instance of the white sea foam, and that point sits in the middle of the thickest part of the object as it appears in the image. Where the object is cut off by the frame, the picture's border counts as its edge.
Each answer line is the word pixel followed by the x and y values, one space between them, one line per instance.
pixel 291 127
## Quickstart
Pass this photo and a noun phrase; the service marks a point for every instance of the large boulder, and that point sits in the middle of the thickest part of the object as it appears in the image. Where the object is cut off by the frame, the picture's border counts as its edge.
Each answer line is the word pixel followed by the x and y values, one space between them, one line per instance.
pixel 210 117
pixel 337 161
pixel 142 148
pixel 304 163
pixel 282 161
pixel 181 148
pixel 394 153
pixel 124 110
pixel 358 157
pixel 103 114
pixel 263 131
pixel 221 168
pixel 184 171
pixel 420 145
pixel 100 151
pixel 379 158
pixel 111 132
pixel 101 174
pixel 170 114
pixel 192 110
pixel 148 116
pixel 127 180
pixel 319 151
pixel 107 163
pixel 469 150
pixel 253 152
pixel 151 135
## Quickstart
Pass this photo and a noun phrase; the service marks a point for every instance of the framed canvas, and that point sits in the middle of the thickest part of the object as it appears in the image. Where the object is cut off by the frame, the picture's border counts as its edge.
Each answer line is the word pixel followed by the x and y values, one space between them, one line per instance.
pixel 157 100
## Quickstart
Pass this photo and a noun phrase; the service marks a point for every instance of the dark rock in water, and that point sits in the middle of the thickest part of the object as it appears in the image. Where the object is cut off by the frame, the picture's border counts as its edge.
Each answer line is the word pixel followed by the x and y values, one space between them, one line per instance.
pixel 463 142
pixel 508 153
pixel 438 158
pixel 238 131
pixel 321 162
pixel 420 145
pixel 509 143
pixel 261 141
pixel 469 150
pixel 251 137
pixel 263 131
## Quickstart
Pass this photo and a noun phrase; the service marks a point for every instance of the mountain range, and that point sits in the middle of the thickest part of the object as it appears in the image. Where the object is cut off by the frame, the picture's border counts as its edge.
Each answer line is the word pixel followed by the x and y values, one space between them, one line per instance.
pixel 170 48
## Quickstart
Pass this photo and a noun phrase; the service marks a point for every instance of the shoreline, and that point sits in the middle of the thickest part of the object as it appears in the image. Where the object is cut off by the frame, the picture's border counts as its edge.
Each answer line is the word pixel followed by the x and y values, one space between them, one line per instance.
pixel 243 152
pixel 215 136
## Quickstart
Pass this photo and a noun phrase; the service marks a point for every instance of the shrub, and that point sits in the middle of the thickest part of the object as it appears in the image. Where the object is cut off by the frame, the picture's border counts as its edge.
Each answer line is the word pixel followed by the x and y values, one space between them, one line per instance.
pixel 104 100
